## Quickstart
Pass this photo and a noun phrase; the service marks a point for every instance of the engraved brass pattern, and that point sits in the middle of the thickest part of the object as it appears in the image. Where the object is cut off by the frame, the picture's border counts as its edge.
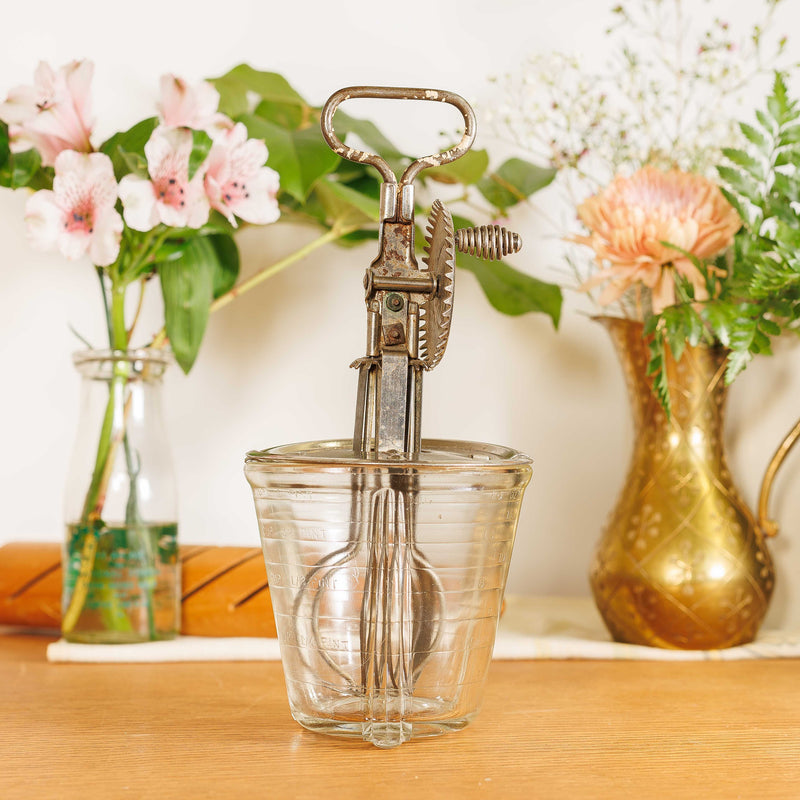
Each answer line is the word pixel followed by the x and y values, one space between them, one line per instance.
pixel 682 562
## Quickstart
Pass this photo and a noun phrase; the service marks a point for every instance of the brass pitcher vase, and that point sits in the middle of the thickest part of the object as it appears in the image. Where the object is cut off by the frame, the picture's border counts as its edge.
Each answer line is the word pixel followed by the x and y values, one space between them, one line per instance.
pixel 682 561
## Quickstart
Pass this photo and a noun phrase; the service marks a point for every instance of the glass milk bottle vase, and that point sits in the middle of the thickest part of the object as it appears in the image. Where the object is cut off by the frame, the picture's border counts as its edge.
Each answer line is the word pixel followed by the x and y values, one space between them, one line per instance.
pixel 121 577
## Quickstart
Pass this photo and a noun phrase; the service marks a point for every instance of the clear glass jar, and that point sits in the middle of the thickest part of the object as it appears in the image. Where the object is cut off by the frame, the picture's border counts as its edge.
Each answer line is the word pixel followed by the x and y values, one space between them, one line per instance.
pixel 121 571
pixel 387 579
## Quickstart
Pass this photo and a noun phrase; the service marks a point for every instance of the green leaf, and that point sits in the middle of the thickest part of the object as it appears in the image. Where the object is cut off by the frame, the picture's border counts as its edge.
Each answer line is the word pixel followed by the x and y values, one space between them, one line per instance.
pixel 786 188
pixel 737 361
pixel 201 146
pixel 787 155
pixel 369 184
pixel 766 122
pixel 514 181
pixel 217 223
pixel 677 345
pixel 5 150
pixel 513 292
pixel 169 250
pixel 347 171
pixel 754 136
pixel 742 345
pixel 788 136
pixel 187 285
pixel 680 325
pixel 268 85
pixel 235 85
pixel 752 166
pixel 743 208
pixel 720 318
pixel 285 115
pixel 122 146
pixel 346 206
pixel 769 327
pixel 226 270
pixel 372 139
pixel 234 99
pixel 20 169
pixel 358 237
pixel 136 163
pixel 467 170
pixel 300 157
pixel 778 103
pixel 655 368
pixel 740 182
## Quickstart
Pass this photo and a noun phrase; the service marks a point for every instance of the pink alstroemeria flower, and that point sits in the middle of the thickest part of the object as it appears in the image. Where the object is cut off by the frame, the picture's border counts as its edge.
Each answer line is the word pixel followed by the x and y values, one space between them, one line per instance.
pixel 189 106
pixel 169 196
pixel 237 182
pixel 53 114
pixel 78 215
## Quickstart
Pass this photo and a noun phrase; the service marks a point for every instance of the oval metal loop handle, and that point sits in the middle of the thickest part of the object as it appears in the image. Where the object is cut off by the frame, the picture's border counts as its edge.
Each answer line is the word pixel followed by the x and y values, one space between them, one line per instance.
pixel 768 526
pixel 397 93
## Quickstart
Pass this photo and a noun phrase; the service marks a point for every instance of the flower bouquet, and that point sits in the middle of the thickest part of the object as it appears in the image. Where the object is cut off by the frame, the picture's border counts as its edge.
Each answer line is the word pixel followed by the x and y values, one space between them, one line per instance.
pixel 692 219
pixel 687 209
pixel 161 199
pixel 158 204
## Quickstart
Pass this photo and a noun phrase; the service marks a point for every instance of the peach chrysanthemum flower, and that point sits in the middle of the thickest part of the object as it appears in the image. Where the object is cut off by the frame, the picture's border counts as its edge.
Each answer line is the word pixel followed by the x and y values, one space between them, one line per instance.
pixel 631 219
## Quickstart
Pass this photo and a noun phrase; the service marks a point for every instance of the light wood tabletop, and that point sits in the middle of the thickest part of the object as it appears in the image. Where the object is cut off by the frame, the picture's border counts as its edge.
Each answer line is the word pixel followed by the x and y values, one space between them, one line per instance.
pixel 548 729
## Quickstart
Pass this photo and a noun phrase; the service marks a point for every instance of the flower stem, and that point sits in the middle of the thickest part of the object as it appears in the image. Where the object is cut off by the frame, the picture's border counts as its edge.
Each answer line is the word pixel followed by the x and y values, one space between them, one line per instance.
pixel 106 447
pixel 119 333
pixel 105 300
pixel 332 235
pixel 139 305
pixel 336 232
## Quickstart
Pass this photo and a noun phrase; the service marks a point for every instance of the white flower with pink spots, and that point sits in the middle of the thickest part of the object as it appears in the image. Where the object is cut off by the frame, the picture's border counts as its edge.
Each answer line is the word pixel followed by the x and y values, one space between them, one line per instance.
pixel 183 105
pixel 78 215
pixel 168 196
pixel 236 180
pixel 52 115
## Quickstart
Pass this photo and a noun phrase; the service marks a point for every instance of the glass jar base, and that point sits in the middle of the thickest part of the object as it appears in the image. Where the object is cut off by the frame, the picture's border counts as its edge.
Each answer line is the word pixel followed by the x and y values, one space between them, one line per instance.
pixel 115 637
pixel 346 719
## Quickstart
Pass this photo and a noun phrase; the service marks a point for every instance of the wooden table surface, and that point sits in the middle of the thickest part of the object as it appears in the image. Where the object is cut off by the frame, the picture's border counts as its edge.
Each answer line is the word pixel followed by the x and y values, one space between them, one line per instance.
pixel 548 729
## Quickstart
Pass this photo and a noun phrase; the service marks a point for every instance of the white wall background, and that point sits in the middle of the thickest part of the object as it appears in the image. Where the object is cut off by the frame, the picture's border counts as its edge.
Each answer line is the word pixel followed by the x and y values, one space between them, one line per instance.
pixel 273 368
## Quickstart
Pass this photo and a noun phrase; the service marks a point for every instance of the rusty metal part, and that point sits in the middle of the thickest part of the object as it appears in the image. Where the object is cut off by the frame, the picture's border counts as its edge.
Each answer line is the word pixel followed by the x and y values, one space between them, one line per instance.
pixel 399 293
pixel 419 284
pixel 438 307
pixel 396 93
pixel 490 242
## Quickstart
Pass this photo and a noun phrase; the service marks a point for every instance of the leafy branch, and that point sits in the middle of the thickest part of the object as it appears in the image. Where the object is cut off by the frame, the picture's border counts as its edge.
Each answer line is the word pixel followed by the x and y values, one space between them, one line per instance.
pixel 754 291
pixel 322 190
pixel 199 268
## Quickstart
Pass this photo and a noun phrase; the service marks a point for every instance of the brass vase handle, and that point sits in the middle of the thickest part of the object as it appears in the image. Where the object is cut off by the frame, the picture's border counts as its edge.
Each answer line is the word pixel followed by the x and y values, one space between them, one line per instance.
pixel 768 526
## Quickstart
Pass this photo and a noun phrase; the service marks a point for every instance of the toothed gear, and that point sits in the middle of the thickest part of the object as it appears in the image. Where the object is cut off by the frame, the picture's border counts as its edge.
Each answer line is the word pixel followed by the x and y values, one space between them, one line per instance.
pixel 437 310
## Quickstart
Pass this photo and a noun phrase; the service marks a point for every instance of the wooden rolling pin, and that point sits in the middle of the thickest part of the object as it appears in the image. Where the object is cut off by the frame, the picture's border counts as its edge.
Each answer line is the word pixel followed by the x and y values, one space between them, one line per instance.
pixel 224 589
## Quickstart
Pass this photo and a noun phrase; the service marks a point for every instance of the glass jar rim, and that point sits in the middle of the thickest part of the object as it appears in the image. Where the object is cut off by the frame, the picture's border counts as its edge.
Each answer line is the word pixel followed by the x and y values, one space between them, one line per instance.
pixel 436 454
pixel 147 355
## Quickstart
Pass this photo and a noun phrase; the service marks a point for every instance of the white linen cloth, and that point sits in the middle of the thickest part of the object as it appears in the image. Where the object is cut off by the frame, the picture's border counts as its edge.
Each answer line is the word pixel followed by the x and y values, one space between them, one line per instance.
pixel 531 628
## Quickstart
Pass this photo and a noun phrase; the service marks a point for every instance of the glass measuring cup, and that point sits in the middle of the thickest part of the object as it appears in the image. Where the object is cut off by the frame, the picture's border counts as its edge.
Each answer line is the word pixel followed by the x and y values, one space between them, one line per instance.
pixel 387 578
